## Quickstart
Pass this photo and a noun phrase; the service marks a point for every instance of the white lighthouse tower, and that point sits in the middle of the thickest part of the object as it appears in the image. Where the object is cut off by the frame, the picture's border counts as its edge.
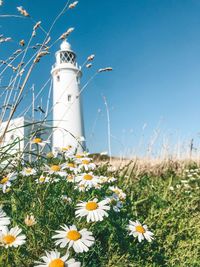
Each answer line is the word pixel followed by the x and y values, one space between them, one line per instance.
pixel 68 128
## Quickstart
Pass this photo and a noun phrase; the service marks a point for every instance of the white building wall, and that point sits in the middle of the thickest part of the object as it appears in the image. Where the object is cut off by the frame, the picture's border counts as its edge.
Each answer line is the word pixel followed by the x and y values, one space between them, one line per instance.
pixel 15 134
pixel 21 131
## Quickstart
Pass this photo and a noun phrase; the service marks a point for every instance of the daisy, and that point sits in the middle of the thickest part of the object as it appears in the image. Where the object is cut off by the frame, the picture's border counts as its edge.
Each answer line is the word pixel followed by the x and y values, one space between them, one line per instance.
pixel 87 179
pixel 118 192
pixel 6 181
pixel 86 164
pixel 94 210
pixel 42 179
pixel 140 231
pixel 115 203
pixel 4 220
pixel 70 166
pixel 30 220
pixel 81 188
pixel 66 199
pixel 12 237
pixel 78 157
pixel 53 259
pixel 105 179
pixel 70 178
pixel 68 150
pixel 71 237
pixel 55 169
pixel 38 141
pixel 28 171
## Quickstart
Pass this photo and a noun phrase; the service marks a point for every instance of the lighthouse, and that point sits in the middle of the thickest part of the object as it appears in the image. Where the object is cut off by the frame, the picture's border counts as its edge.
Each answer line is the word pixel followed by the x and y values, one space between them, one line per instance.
pixel 68 126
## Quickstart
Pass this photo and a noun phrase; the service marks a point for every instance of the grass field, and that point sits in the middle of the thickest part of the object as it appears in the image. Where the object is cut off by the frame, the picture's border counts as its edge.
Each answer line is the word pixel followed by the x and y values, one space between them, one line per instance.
pixel 165 198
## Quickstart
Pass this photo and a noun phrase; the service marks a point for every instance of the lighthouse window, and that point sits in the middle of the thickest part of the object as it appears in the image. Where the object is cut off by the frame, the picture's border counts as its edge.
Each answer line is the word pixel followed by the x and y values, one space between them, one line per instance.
pixel 69 98
pixel 78 80
pixel 67 57
pixel 58 78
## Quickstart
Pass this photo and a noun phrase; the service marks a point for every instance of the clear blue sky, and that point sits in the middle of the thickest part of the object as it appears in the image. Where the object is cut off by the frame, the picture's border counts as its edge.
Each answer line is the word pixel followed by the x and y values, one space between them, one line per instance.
pixel 154 49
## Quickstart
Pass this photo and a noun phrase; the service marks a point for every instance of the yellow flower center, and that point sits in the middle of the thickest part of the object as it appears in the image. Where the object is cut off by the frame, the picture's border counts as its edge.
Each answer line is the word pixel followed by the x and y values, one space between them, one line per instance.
pixel 28 170
pixel 55 168
pixel 4 180
pixel 57 263
pixel 91 206
pixel 140 229
pixel 73 235
pixel 66 148
pixel 70 177
pixel 71 165
pixel 8 239
pixel 88 177
pixel 85 161
pixel 42 179
pixel 78 156
pixel 37 140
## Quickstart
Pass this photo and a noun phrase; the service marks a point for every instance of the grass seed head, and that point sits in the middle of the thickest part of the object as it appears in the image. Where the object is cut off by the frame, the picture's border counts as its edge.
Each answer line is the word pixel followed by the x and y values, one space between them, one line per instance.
pixel 105 69
pixel 66 34
pixel 40 55
pixel 37 25
pixel 22 43
pixel 89 65
pixel 73 5
pixel 22 11
pixel 91 58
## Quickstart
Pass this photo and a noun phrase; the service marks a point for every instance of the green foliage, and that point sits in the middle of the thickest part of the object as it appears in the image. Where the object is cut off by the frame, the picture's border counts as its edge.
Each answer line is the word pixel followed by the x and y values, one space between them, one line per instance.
pixel 164 203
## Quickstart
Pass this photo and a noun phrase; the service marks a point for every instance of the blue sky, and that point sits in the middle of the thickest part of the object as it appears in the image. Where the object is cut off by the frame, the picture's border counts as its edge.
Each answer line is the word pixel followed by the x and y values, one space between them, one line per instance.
pixel 154 49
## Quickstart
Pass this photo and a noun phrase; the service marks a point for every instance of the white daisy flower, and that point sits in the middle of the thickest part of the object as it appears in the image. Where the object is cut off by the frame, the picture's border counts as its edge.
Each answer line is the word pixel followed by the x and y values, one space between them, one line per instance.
pixel 66 199
pixel 70 166
pixel 93 210
pixel 70 178
pixel 53 259
pixel 87 179
pixel 105 179
pixel 81 188
pixel 118 192
pixel 28 171
pixel 86 164
pixel 68 150
pixel 6 181
pixel 140 231
pixel 98 186
pixel 12 237
pixel 30 220
pixel 115 203
pixel 38 141
pixel 55 169
pixel 78 157
pixel 80 241
pixel 4 220
pixel 42 179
